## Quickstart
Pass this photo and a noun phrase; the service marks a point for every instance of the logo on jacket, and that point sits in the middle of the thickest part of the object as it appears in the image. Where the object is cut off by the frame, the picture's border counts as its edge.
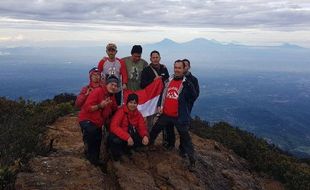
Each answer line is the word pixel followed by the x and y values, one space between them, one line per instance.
pixel 112 71
pixel 173 93
pixel 134 75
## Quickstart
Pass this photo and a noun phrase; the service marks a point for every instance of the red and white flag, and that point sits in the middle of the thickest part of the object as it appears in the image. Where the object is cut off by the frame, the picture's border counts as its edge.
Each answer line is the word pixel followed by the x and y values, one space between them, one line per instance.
pixel 148 97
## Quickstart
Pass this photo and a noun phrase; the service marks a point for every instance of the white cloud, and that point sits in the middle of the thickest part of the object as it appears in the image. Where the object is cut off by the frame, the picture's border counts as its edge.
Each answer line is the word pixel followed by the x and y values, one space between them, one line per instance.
pixel 194 13
pixel 246 21
pixel 19 37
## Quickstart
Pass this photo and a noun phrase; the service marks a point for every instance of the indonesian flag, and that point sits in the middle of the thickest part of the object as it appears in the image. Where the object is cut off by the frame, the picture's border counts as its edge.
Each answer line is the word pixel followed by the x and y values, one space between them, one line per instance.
pixel 148 97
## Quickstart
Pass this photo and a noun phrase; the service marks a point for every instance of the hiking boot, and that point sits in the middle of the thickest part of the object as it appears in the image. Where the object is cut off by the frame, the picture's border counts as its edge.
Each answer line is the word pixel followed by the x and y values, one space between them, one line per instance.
pixel 182 154
pixel 165 144
pixel 192 167
pixel 152 148
pixel 128 152
pixel 141 149
pixel 114 157
pixel 192 164
pixel 99 163
pixel 169 148
pixel 96 162
pixel 85 149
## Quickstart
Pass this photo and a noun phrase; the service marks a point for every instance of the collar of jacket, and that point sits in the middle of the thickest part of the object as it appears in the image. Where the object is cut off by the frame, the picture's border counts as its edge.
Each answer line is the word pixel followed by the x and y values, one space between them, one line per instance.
pixel 157 67
pixel 188 73
pixel 173 77
pixel 130 113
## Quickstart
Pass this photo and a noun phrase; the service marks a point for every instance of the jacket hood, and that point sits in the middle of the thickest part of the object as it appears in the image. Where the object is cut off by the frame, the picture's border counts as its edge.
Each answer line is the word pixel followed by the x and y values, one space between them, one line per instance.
pixel 92 84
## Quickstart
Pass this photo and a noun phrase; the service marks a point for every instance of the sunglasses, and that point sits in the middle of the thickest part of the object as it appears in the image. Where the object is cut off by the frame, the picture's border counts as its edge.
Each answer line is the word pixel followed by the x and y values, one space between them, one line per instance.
pixel 112 50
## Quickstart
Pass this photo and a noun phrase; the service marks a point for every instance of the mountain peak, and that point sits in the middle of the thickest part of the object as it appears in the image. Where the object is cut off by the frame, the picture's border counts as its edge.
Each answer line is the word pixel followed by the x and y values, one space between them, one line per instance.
pixel 290 46
pixel 167 41
pixel 203 42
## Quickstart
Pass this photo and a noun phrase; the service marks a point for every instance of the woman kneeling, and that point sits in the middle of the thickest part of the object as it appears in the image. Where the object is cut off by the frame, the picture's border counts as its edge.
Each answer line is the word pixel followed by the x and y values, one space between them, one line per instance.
pixel 128 129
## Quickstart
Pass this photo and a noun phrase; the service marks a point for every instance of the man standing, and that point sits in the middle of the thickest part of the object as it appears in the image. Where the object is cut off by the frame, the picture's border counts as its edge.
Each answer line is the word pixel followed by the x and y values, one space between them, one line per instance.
pixel 112 65
pixel 149 74
pixel 194 80
pixel 154 70
pixel 134 65
pixel 191 77
pixel 95 112
pixel 178 95
pixel 94 82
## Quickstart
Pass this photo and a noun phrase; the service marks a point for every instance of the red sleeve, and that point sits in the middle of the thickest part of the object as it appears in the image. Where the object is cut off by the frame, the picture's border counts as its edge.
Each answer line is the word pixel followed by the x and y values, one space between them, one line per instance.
pixel 100 65
pixel 93 99
pixel 123 72
pixel 81 98
pixel 115 126
pixel 142 129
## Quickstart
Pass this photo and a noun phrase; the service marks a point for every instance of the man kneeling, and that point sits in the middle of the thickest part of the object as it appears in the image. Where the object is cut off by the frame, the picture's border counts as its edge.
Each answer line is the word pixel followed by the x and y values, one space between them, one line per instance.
pixel 128 129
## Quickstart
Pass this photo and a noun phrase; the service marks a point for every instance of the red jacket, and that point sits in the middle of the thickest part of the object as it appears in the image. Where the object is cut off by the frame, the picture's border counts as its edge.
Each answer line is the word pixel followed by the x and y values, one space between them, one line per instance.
pixel 81 98
pixel 123 69
pixel 98 117
pixel 119 124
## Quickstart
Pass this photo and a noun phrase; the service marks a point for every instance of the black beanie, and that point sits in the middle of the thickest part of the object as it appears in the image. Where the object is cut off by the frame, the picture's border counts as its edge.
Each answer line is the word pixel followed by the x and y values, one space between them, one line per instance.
pixel 93 70
pixel 131 97
pixel 136 49
pixel 112 78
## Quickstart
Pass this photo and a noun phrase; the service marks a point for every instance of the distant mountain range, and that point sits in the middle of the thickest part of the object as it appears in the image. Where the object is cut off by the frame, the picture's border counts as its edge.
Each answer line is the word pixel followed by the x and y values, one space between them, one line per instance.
pixel 213 54
pixel 202 52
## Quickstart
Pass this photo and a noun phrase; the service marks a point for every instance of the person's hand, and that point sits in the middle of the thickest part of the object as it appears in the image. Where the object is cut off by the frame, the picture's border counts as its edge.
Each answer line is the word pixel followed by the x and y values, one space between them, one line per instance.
pixel 160 109
pixel 105 102
pixel 88 91
pixel 145 140
pixel 124 86
pixel 157 77
pixel 130 141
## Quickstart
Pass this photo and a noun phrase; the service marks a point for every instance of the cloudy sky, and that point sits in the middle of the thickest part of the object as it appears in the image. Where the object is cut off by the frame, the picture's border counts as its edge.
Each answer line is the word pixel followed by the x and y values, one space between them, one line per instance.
pixel 65 22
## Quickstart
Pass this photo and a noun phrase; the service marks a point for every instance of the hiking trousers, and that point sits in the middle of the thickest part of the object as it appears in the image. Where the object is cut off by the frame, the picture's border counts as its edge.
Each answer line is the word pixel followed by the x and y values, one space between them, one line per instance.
pixel 92 136
pixel 168 123
pixel 118 147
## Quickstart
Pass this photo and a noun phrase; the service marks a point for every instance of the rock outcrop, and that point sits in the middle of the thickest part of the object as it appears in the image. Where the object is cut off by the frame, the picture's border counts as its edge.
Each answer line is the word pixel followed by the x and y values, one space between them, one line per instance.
pixel 66 168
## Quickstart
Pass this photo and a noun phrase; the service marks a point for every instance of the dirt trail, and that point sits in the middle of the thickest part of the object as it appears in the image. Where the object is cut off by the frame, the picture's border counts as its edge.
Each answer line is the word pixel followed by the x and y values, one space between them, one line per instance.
pixel 66 168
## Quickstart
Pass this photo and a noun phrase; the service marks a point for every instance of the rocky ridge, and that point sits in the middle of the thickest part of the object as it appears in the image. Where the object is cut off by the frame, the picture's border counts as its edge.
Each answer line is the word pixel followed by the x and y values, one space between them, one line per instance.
pixel 66 167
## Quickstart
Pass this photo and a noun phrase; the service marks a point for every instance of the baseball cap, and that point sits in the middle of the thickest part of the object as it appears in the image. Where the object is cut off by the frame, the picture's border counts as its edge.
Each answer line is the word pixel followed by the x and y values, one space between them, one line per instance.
pixel 111 46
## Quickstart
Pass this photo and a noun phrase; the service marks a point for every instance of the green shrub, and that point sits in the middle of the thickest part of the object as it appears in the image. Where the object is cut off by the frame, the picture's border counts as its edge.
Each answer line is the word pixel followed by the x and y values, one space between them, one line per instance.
pixel 6 178
pixel 22 127
pixel 262 156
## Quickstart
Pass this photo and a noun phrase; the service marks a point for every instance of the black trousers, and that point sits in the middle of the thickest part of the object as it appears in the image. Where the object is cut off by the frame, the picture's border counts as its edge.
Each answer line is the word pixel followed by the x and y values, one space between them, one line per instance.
pixel 165 124
pixel 118 147
pixel 118 98
pixel 92 136
pixel 168 123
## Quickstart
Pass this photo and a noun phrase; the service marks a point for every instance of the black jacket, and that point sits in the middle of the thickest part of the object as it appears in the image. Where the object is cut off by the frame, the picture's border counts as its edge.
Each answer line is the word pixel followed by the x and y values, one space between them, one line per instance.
pixel 148 75
pixel 194 81
pixel 186 99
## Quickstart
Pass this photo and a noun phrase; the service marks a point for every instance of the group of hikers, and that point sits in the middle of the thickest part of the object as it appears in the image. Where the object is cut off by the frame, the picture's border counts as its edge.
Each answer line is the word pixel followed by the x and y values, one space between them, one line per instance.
pixel 104 107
